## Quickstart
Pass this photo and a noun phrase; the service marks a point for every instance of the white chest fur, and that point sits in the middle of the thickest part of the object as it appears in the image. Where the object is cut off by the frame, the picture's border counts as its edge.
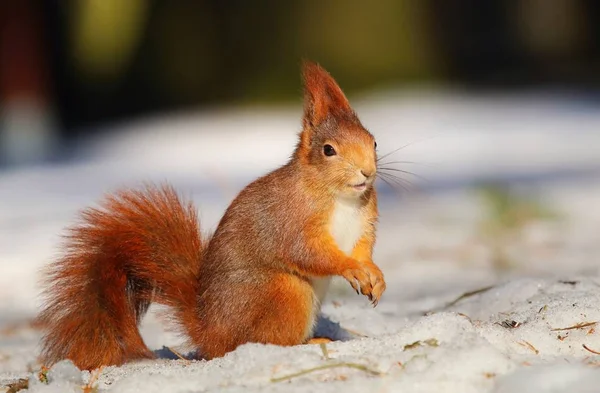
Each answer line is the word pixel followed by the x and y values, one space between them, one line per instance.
pixel 346 225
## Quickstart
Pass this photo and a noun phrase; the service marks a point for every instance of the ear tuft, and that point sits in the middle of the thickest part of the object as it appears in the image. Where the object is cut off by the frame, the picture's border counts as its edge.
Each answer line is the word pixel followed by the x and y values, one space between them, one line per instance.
pixel 322 95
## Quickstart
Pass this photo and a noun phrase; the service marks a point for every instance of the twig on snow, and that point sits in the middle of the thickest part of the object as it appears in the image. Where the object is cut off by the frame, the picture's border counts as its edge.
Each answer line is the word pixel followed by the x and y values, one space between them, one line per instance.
pixel 577 326
pixel 590 350
pixel 355 366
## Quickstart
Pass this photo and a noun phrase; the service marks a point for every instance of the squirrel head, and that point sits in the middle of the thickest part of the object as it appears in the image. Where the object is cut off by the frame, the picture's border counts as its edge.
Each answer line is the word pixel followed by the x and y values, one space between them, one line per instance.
pixel 334 145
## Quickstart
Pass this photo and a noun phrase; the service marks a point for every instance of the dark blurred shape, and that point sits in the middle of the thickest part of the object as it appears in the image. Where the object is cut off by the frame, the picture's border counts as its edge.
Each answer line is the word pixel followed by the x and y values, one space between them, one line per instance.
pixel 516 43
pixel 25 124
pixel 96 62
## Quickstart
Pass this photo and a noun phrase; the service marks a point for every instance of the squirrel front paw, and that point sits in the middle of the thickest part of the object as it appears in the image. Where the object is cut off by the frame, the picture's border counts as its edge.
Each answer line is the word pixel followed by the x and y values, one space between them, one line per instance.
pixel 367 279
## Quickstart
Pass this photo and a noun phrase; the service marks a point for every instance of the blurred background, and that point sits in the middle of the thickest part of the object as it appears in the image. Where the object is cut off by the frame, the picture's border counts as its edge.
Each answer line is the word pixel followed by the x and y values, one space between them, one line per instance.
pixel 493 105
pixel 72 68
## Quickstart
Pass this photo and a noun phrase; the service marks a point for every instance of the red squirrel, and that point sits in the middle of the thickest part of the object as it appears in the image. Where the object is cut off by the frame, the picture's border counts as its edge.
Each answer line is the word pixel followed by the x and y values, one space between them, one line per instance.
pixel 259 278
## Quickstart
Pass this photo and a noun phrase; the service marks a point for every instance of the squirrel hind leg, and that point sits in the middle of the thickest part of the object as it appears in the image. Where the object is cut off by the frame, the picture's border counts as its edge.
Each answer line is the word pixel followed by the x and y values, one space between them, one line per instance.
pixel 281 312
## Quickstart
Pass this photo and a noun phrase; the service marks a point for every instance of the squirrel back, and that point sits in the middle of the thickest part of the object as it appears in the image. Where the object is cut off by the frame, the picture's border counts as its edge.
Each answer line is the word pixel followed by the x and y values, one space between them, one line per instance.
pixel 259 278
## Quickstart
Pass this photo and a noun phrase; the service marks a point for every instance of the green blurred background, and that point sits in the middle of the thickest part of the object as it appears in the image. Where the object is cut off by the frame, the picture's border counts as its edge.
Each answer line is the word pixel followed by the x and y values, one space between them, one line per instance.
pixel 86 63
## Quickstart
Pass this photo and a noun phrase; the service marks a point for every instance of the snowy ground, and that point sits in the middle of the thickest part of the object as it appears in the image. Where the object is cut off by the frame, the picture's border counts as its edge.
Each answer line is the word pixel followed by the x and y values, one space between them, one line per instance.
pixel 474 303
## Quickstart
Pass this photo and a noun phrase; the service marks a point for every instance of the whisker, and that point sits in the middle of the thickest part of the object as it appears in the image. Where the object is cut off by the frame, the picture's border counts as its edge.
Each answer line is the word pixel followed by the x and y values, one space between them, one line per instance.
pixel 403 183
pixel 395 189
pixel 394 176
pixel 406 186
pixel 402 171
pixel 400 148
pixel 399 162
pixel 405 162
pixel 393 151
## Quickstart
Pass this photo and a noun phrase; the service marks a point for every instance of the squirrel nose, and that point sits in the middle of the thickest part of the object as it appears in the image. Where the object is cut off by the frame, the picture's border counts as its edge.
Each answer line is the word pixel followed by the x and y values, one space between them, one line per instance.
pixel 367 173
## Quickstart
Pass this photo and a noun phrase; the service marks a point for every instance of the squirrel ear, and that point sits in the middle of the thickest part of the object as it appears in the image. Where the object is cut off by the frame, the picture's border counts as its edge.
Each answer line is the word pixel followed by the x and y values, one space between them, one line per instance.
pixel 322 95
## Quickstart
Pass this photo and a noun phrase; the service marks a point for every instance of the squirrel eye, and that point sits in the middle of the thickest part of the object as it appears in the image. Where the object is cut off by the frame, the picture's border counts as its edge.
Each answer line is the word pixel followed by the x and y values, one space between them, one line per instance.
pixel 375 145
pixel 328 150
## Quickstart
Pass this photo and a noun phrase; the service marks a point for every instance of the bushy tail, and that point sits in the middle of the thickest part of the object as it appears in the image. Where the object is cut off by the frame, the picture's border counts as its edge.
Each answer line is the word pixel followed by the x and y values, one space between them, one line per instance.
pixel 139 246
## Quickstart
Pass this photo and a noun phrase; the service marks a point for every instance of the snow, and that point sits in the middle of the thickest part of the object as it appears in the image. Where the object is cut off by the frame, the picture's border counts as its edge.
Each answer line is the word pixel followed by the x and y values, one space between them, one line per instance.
pixel 523 326
pixel 63 377
pixel 551 378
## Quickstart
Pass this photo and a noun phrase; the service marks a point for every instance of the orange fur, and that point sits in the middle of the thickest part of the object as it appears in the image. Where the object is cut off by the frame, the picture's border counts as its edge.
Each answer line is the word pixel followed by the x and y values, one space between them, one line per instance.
pixel 138 244
pixel 252 280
